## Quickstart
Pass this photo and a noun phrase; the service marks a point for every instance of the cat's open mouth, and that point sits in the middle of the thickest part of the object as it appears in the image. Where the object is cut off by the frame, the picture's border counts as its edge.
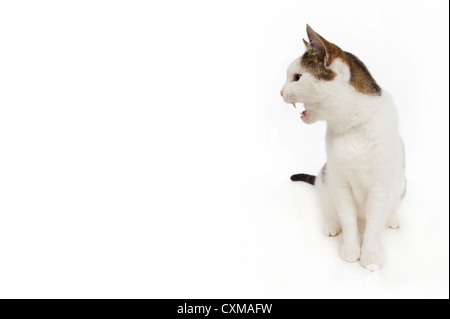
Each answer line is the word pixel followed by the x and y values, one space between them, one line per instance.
pixel 303 114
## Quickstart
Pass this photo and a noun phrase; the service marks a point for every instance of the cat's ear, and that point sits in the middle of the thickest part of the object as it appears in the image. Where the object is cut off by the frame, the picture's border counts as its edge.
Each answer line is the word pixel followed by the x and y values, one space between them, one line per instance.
pixel 320 45
pixel 307 44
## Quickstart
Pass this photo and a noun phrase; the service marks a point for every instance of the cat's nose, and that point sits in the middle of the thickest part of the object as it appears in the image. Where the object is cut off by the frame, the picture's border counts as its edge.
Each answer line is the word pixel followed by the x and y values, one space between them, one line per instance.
pixel 281 93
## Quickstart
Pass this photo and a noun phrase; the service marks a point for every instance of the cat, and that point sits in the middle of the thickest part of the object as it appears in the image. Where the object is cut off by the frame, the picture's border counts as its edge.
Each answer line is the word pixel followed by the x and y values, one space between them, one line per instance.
pixel 363 180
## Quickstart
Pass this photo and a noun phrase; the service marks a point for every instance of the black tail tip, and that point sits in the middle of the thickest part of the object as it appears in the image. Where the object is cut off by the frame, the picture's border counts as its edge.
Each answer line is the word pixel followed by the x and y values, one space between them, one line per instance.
pixel 311 179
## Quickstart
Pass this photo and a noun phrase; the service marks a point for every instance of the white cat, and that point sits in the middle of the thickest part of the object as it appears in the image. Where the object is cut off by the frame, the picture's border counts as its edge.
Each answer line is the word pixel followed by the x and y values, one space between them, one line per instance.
pixel 363 181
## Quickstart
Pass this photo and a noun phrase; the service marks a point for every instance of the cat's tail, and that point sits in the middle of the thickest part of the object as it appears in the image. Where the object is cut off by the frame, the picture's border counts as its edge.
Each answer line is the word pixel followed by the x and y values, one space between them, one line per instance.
pixel 311 179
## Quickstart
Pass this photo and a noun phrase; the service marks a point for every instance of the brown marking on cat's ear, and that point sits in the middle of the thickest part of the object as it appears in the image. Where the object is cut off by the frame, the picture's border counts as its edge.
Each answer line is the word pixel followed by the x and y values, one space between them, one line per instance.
pixel 307 44
pixel 317 44
pixel 327 50
pixel 360 77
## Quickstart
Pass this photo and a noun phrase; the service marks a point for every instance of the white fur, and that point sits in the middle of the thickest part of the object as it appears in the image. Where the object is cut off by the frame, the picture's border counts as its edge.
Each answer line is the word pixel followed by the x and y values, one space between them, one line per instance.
pixel 365 178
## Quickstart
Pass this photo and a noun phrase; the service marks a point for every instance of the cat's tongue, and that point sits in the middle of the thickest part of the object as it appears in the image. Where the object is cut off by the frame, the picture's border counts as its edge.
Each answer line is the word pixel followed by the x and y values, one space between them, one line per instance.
pixel 303 114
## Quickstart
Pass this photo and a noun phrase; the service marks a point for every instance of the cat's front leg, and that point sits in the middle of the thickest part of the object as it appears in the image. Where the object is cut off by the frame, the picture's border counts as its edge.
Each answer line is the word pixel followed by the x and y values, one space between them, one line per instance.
pixel 351 246
pixel 377 214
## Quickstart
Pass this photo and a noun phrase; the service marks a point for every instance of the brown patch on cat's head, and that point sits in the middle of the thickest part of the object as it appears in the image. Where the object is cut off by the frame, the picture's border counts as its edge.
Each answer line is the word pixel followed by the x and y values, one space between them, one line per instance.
pixel 322 53
pixel 313 63
pixel 360 77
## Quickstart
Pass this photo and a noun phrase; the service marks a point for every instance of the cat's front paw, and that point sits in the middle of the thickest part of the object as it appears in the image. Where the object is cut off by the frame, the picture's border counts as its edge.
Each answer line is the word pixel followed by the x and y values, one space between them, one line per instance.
pixel 350 252
pixel 371 260
pixel 332 228
pixel 393 222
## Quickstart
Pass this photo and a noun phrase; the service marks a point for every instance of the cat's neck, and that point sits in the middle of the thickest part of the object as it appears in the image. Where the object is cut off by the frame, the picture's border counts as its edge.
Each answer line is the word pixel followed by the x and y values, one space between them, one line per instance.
pixel 345 126
pixel 356 113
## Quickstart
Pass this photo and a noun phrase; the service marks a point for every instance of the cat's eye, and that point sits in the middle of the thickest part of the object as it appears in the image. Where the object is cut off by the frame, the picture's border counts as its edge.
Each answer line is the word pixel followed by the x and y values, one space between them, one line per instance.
pixel 297 77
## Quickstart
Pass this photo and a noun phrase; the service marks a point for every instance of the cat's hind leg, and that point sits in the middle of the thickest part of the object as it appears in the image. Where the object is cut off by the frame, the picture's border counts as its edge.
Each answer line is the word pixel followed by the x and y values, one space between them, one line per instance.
pixel 331 224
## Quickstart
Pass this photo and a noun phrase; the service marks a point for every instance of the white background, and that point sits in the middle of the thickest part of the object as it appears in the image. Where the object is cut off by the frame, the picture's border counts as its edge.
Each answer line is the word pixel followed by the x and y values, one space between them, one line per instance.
pixel 145 151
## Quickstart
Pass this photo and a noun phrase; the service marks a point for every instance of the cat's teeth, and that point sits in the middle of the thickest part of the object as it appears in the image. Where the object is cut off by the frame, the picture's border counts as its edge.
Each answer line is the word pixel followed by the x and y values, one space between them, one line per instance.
pixel 294 105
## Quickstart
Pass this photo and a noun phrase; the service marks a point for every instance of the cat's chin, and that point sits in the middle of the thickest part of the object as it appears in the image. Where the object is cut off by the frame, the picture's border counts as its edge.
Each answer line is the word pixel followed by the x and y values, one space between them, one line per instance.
pixel 308 117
